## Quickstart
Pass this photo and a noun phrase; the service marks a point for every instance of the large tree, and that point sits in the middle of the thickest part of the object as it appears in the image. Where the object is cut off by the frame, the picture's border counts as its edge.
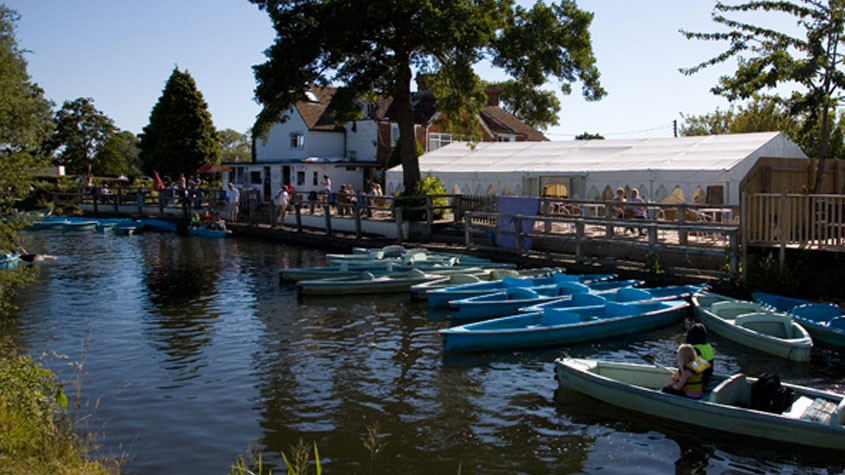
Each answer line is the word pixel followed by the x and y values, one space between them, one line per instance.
pixel 118 155
pixel 372 46
pixel 768 58
pixel 25 123
pixel 234 146
pixel 536 107
pixel 80 130
pixel 180 136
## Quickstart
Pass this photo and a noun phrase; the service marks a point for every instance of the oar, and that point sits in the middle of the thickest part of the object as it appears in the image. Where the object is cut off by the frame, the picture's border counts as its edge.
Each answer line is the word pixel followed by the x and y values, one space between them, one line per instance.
pixel 651 360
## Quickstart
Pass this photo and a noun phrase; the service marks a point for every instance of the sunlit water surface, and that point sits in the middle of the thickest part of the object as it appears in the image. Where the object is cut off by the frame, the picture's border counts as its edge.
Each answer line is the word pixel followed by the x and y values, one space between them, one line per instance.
pixel 194 353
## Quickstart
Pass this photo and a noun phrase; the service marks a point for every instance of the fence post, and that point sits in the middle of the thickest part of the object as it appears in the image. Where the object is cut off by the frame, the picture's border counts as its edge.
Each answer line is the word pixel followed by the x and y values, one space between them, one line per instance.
pixel 652 238
pixel 743 230
pixel 782 230
pixel 96 200
pixel 298 208
pixel 140 201
pixel 429 213
pixel 547 211
pixel 682 219
pixel 161 203
pixel 608 214
pixel 733 271
pixel 356 209
pixel 328 216
pixel 397 211
pixel 467 224
pixel 116 202
pixel 579 237
pixel 457 202
pixel 517 225
pixel 273 214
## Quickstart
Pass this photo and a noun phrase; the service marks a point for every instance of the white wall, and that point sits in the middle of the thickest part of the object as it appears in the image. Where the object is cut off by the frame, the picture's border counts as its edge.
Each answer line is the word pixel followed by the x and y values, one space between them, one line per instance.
pixel 317 144
pixel 363 140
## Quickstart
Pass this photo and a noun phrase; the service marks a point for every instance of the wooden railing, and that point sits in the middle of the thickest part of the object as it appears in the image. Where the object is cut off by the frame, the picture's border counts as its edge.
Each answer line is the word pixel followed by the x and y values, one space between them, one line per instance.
pixel 794 220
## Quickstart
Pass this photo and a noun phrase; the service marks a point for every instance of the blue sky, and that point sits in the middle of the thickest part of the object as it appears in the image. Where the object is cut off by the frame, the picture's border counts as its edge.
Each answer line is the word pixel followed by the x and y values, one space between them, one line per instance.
pixel 121 52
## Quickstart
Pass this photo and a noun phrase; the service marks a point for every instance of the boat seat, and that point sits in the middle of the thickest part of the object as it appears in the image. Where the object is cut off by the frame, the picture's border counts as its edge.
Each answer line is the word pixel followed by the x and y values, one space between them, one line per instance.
pixel 760 317
pixel 464 279
pixel 367 276
pixel 416 273
pixel 817 312
pixel 586 299
pixel 630 294
pixel 837 323
pixel 497 274
pixel 734 391
pixel 731 310
pixel 559 316
pixel 571 288
pixel 840 413
pixel 521 293
pixel 613 309
pixel 513 282
pixel 561 277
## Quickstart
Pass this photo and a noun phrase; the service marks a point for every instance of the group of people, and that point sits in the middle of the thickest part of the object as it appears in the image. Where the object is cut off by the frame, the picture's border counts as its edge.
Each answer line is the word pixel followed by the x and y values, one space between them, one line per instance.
pixel 208 220
pixel 283 197
pixel 695 365
pixel 638 212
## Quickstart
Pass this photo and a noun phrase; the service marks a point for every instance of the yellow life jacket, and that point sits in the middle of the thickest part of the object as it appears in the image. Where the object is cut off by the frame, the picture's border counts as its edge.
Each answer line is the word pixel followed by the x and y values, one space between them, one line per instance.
pixel 706 351
pixel 697 368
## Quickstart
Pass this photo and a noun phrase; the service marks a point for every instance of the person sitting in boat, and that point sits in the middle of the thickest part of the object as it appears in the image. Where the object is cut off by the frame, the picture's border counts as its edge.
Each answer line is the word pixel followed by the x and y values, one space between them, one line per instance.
pixel 196 220
pixel 686 381
pixel 697 337
pixel 217 223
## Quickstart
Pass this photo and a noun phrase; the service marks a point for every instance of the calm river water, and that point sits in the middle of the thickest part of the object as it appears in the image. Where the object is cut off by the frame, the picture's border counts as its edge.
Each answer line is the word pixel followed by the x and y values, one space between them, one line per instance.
pixel 193 353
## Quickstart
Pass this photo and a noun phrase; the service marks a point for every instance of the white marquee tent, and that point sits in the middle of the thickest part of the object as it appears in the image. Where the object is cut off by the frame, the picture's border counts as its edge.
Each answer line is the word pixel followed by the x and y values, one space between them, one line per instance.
pixel 684 167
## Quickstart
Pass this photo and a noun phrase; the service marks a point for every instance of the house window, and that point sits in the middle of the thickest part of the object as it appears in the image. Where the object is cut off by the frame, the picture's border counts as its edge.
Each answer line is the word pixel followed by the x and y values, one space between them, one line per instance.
pixel 297 141
pixel 394 133
pixel 436 141
pixel 300 178
pixel 506 138
pixel 314 180
pixel 255 178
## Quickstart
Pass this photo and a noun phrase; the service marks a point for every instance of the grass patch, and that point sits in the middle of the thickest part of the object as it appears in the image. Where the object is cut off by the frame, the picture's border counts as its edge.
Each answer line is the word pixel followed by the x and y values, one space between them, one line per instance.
pixel 36 435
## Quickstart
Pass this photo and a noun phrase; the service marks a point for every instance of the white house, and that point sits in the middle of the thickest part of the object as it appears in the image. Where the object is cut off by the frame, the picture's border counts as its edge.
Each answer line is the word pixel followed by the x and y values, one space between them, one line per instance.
pixel 691 169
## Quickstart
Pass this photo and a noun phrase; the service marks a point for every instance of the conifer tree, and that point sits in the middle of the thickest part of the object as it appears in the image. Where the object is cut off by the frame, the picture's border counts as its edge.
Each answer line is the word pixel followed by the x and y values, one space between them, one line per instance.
pixel 180 136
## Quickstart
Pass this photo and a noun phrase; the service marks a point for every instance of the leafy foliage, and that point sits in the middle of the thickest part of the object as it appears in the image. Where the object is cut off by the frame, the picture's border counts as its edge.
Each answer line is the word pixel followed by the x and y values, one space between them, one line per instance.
pixel 234 146
pixel 535 107
pixel 180 136
pixel 395 158
pixel 80 130
pixel 589 136
pixel 413 203
pixel 768 58
pixel 118 155
pixel 315 44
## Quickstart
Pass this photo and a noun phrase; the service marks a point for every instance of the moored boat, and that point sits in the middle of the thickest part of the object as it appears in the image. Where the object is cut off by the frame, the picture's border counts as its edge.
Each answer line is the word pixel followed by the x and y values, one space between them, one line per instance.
pixel 421 291
pixel 9 260
pixel 159 225
pixel 509 301
pixel 442 297
pixel 824 322
pixel 590 317
pixel 79 225
pixel 49 223
pixel 127 228
pixel 629 294
pixel 749 324
pixel 815 418
pixel 206 232
pixel 364 283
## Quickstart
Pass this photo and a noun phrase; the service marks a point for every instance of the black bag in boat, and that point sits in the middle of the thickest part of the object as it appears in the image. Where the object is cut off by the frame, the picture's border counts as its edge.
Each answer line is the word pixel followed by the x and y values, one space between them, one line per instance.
pixel 768 395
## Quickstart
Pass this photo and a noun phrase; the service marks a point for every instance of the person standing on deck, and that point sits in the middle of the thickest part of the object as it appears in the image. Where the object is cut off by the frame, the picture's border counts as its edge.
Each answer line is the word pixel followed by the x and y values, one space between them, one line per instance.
pixel 233 197
pixel 281 200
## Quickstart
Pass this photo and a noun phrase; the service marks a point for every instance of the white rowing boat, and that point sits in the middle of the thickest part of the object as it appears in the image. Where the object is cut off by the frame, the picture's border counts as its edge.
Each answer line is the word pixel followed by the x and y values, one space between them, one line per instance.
pixel 815 418
pixel 749 324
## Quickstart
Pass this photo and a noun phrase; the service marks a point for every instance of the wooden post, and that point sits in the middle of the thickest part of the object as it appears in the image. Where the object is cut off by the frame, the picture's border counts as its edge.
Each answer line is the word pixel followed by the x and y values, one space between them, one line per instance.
pixel 608 214
pixel 298 209
pixel 517 226
pixel 652 238
pixel 457 202
pixel 547 223
pixel 579 237
pixel 397 211
pixel 356 210
pixel 161 203
pixel 683 236
pixel 96 200
pixel 743 230
pixel 116 203
pixel 733 271
pixel 429 213
pixel 467 224
pixel 140 201
pixel 328 216
pixel 273 214
pixel 782 230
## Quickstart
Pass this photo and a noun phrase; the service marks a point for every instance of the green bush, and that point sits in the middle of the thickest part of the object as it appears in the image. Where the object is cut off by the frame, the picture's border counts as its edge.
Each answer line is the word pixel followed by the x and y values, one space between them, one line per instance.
pixel 413 204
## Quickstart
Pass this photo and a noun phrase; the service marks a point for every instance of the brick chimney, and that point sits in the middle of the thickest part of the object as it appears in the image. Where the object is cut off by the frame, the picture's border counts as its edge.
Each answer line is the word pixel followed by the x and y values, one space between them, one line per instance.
pixel 493 92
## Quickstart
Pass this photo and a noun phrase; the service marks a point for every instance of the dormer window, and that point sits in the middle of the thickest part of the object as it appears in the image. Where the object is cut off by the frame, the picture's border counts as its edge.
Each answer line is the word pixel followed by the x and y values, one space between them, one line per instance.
pixel 311 97
pixel 297 141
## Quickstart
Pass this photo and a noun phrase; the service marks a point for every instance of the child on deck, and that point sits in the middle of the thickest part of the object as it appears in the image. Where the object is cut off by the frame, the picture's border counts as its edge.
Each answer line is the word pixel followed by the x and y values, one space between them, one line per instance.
pixel 686 381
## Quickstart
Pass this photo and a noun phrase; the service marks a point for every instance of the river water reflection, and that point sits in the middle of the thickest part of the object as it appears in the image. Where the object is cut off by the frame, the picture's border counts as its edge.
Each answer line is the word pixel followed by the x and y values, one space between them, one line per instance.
pixel 195 352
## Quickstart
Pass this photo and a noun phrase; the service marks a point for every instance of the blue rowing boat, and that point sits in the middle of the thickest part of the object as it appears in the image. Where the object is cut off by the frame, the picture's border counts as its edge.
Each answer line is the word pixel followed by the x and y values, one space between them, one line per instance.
pixel 625 295
pixel 205 232
pixel 442 297
pixel 509 301
pixel 823 321
pixel 555 326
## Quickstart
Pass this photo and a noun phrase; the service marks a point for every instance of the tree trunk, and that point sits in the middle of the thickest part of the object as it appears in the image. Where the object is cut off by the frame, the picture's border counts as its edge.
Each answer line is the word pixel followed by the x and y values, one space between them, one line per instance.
pixel 825 137
pixel 405 120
